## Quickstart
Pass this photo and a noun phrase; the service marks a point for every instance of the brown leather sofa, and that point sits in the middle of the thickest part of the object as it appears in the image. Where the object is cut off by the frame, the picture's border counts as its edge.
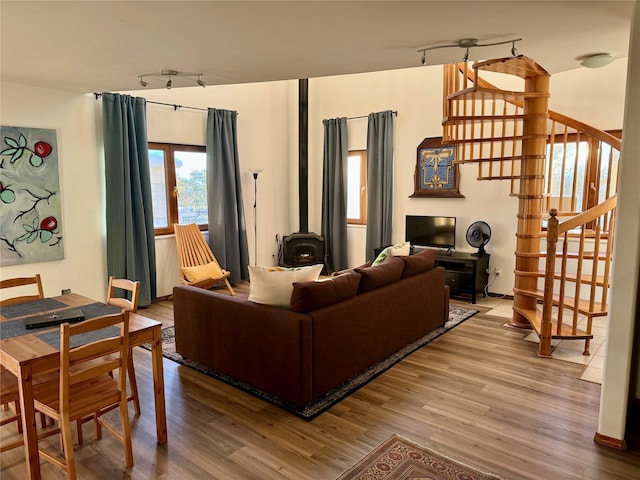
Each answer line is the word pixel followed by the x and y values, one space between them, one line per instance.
pixel 331 333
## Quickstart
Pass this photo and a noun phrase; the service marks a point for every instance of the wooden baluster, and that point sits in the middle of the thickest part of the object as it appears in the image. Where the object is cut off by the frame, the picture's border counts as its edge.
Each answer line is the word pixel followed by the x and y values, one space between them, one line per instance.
pixel 544 349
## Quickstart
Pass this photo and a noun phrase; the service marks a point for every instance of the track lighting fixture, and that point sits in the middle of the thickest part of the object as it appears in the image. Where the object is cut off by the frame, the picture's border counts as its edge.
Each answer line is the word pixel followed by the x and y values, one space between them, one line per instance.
pixel 514 50
pixel 468 44
pixel 169 75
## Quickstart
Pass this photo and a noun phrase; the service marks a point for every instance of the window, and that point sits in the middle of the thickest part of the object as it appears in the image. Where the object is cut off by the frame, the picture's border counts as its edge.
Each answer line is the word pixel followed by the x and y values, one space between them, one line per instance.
pixel 357 187
pixel 178 185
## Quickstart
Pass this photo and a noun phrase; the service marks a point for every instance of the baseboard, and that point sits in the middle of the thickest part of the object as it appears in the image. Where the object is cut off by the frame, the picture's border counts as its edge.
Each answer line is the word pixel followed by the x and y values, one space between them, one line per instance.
pixel 500 295
pixel 610 442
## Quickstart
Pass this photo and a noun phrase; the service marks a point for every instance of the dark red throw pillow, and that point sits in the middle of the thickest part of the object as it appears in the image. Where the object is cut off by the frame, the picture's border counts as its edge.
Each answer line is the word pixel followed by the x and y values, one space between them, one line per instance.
pixel 309 296
pixel 418 263
pixel 380 275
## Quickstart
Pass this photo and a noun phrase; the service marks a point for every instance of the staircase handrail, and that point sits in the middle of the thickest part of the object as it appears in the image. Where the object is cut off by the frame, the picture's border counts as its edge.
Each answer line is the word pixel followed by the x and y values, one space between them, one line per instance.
pixel 587 216
pixel 555 229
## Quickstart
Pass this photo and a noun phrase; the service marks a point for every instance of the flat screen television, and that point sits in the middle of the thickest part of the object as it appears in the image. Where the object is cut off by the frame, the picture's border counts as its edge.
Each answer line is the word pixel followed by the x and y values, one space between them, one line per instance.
pixel 427 231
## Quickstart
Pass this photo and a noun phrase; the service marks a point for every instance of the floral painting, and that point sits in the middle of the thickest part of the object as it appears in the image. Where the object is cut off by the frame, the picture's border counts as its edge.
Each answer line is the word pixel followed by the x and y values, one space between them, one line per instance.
pixel 30 212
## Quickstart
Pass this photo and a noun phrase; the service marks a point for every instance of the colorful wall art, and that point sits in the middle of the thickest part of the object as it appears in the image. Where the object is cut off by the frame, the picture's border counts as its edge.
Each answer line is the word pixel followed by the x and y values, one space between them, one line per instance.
pixel 30 212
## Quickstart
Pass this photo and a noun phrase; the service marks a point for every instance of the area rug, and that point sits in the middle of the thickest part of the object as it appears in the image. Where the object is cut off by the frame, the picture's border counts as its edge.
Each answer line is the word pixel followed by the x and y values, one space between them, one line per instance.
pixel 457 315
pixel 400 459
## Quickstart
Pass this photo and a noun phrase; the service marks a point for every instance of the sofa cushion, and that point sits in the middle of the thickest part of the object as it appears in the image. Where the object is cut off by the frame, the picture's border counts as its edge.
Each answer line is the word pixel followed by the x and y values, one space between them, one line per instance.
pixel 350 270
pixel 202 272
pixel 309 296
pixel 397 250
pixel 273 285
pixel 418 263
pixel 380 275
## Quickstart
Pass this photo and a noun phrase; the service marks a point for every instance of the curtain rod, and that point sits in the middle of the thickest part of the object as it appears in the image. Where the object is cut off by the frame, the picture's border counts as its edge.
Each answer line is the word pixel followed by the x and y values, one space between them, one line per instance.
pixel 395 112
pixel 175 107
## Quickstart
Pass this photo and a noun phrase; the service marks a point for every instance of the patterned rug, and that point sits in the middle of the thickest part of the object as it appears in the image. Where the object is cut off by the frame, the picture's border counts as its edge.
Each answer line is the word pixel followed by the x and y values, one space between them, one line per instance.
pixel 400 459
pixel 457 315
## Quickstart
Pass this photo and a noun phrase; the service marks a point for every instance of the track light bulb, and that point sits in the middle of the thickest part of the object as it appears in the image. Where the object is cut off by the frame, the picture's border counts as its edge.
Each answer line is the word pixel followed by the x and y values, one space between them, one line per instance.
pixel 466 56
pixel 424 58
pixel 514 50
pixel 201 83
pixel 143 83
pixel 169 84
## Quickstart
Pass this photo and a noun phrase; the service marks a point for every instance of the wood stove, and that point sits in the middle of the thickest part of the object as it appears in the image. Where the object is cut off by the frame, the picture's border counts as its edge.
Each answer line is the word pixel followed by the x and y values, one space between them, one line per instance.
pixel 302 249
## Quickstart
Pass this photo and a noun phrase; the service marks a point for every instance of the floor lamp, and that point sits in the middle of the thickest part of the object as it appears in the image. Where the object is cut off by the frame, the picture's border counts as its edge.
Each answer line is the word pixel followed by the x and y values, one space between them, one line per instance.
pixel 255 173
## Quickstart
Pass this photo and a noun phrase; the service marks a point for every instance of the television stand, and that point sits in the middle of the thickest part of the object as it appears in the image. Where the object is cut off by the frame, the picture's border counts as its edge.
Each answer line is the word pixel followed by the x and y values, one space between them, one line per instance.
pixel 465 273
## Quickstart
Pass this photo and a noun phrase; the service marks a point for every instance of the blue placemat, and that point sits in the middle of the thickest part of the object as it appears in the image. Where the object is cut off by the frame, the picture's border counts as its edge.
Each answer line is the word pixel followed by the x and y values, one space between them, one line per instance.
pixel 31 308
pixel 14 328
pixel 53 337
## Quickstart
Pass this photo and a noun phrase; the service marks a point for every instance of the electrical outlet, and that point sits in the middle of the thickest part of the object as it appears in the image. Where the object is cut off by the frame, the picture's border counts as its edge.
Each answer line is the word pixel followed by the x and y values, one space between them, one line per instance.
pixel 498 271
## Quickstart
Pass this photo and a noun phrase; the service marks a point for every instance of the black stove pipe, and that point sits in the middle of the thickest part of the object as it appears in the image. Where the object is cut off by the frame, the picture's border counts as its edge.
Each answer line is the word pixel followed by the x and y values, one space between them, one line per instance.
pixel 303 153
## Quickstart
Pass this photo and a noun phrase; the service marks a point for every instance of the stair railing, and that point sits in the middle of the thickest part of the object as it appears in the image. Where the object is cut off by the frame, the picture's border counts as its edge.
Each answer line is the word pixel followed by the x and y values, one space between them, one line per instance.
pixel 590 283
pixel 569 188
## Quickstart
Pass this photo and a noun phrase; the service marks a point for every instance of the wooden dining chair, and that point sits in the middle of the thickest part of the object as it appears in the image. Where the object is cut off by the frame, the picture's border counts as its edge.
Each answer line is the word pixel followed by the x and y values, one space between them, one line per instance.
pixel 21 282
pixel 130 288
pixel 9 394
pixel 8 381
pixel 129 302
pixel 198 265
pixel 84 386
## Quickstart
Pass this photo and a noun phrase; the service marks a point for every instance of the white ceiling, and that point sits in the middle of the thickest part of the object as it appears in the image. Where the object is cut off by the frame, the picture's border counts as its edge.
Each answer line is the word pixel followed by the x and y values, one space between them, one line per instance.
pixel 88 46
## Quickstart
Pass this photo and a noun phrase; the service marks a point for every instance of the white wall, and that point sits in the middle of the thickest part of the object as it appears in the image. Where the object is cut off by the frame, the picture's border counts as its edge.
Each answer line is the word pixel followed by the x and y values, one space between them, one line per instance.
pixel 83 269
pixel 623 315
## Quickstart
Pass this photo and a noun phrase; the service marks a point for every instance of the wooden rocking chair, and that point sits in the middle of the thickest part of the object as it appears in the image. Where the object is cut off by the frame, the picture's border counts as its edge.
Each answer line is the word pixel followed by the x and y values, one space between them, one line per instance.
pixel 198 265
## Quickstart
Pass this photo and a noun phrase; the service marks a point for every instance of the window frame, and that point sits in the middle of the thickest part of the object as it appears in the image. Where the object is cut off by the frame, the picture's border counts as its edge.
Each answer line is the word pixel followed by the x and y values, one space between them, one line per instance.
pixel 362 220
pixel 171 193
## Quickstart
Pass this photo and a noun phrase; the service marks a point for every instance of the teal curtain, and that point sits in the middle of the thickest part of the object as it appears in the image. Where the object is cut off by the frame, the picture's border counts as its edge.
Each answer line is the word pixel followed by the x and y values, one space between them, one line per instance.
pixel 379 181
pixel 334 193
pixel 227 225
pixel 130 238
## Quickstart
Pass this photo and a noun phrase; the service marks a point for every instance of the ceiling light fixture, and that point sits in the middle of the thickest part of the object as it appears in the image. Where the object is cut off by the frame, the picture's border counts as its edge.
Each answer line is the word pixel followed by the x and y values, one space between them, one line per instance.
pixel 597 60
pixel 468 44
pixel 163 74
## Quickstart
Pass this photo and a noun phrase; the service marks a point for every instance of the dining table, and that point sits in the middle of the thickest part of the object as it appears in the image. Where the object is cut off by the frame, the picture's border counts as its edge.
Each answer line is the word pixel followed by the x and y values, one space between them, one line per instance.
pixel 30 352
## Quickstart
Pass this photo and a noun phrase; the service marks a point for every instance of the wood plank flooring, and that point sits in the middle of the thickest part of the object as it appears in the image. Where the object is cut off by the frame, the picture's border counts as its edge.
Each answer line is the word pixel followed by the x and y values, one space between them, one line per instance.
pixel 477 394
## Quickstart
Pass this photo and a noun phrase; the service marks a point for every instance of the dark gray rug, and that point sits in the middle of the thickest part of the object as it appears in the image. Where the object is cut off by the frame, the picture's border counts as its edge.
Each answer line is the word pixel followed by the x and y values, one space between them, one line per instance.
pixel 457 315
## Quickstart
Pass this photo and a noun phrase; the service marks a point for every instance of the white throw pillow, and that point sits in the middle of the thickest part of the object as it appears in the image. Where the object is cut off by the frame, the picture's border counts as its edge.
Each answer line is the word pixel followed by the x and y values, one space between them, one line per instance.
pixel 273 285
pixel 398 250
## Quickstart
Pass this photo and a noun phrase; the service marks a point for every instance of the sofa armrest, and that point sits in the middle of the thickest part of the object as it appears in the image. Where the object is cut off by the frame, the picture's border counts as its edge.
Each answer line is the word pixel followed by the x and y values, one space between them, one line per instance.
pixel 261 345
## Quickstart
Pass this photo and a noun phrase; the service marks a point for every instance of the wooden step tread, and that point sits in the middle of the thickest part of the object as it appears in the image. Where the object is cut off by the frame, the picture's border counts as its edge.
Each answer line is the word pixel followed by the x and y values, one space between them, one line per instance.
pixel 477 118
pixel 566 333
pixel 520 66
pixel 571 277
pixel 493 159
pixel 571 255
pixel 599 309
pixel 483 93
pixel 512 138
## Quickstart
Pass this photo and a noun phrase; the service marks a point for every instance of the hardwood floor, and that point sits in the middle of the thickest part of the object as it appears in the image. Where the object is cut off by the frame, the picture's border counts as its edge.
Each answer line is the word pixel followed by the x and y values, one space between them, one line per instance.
pixel 477 394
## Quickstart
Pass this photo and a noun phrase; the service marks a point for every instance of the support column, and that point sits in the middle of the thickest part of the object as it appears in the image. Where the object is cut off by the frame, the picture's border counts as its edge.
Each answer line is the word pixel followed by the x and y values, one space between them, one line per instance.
pixel 534 147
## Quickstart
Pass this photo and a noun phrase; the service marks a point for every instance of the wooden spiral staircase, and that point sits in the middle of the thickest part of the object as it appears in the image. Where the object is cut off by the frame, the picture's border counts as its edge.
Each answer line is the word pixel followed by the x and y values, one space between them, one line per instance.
pixel 559 168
